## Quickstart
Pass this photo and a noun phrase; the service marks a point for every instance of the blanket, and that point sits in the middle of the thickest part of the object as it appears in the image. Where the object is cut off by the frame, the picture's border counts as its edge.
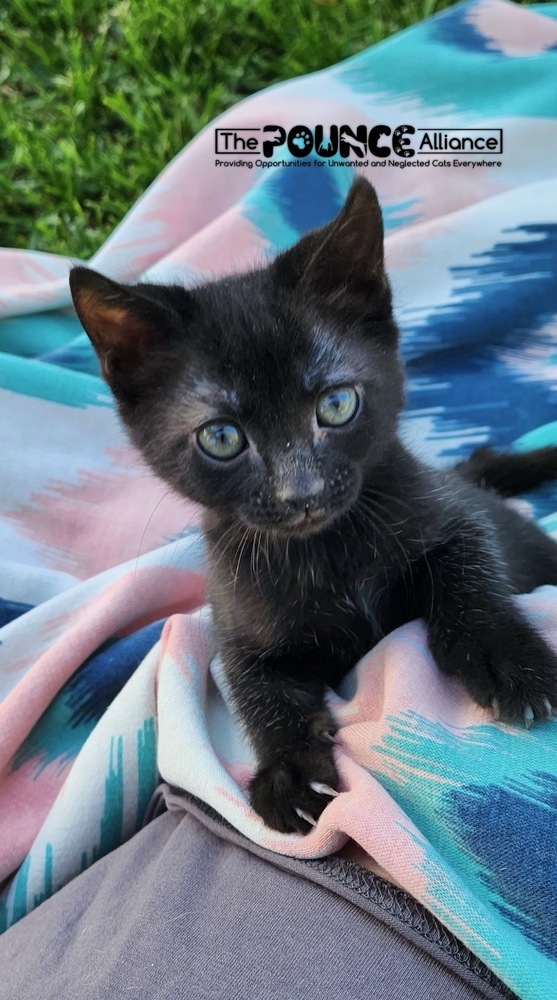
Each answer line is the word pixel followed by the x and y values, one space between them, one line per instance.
pixel 108 679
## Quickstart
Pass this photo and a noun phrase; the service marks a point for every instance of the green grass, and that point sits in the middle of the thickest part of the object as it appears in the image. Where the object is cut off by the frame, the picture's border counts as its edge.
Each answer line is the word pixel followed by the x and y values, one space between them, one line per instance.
pixel 96 97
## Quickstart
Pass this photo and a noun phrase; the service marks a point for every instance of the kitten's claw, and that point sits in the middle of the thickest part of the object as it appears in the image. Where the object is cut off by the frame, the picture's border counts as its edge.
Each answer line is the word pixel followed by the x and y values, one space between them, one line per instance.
pixel 327 737
pixel 528 716
pixel 306 816
pixel 322 789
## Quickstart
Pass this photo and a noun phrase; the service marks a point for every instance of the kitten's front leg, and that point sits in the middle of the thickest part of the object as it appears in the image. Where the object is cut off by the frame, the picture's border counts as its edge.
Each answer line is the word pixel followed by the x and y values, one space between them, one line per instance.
pixel 477 633
pixel 288 724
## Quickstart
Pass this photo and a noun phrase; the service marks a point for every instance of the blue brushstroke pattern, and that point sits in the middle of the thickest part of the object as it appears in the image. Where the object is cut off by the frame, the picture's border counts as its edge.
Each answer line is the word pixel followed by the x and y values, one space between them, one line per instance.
pixel 502 826
pixel 147 770
pixel 512 287
pixel 480 817
pixel 426 58
pixel 10 610
pixel 78 356
pixel 65 725
pixel 455 358
pixel 41 380
pixel 307 197
pixel 453 27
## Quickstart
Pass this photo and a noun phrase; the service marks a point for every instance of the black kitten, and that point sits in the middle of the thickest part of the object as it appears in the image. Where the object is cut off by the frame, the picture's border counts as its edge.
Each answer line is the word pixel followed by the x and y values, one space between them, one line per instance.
pixel 272 398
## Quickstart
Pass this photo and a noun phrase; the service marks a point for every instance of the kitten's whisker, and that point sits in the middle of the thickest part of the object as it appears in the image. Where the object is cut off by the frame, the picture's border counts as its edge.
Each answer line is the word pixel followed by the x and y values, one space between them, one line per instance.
pixel 266 549
pixel 352 514
pixel 241 550
pixel 232 534
pixel 372 510
pixel 157 505
pixel 255 552
pixel 403 503
pixel 255 558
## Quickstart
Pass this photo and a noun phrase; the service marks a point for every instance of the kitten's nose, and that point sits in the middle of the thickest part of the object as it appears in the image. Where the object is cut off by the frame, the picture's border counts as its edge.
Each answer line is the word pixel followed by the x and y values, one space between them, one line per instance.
pixel 301 492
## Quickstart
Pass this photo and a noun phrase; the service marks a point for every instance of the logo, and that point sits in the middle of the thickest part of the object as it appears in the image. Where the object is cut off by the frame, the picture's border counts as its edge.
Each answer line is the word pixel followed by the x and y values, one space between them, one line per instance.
pixel 359 145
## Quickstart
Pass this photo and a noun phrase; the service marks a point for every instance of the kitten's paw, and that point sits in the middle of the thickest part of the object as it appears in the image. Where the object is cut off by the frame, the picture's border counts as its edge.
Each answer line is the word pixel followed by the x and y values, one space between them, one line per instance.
pixel 528 713
pixel 291 793
pixel 510 668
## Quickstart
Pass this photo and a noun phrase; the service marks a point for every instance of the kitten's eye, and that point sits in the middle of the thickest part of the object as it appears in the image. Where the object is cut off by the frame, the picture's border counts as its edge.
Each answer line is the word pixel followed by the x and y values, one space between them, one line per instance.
pixel 221 440
pixel 337 406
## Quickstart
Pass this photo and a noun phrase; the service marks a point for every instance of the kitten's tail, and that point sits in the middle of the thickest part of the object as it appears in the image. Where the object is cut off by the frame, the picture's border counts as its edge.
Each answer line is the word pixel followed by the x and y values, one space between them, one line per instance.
pixel 509 473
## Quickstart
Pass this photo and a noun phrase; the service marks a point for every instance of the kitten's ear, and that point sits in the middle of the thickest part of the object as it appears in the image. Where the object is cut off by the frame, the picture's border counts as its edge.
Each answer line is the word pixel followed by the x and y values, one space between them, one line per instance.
pixel 124 323
pixel 343 260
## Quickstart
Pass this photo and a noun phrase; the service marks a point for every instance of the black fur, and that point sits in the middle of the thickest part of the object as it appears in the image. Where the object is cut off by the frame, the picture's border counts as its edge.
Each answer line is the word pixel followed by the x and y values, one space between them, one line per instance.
pixel 322 540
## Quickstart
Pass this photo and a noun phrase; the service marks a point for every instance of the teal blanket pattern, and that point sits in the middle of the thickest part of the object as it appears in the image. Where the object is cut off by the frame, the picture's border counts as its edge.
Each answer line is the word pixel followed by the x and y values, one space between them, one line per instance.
pixel 107 678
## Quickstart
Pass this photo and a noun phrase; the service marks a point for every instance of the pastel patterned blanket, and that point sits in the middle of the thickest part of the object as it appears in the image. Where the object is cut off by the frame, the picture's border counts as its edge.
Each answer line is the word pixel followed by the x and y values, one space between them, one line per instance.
pixel 106 673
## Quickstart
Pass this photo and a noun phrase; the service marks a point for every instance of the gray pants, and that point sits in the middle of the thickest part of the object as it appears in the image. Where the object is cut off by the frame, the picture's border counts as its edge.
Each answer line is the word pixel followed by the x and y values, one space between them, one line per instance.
pixel 190 910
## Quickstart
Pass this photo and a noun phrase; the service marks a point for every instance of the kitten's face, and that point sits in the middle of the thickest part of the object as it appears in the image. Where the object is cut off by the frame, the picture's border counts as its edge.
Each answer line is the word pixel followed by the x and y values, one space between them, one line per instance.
pixel 265 397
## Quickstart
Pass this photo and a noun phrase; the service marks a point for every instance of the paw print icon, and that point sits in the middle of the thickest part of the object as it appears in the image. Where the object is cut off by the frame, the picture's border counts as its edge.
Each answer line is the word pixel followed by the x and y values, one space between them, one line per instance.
pixel 300 141
pixel 400 144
